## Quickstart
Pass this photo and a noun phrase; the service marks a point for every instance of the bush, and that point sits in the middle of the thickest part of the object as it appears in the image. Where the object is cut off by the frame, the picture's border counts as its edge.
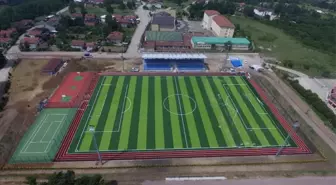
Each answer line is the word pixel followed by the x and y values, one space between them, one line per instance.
pixel 312 99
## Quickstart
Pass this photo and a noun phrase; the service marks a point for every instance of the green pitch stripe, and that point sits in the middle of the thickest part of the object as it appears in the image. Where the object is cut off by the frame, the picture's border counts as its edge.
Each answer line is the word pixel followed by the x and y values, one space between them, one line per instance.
pixel 188 105
pixel 158 110
pixel 94 117
pixel 276 121
pixel 119 116
pixel 133 133
pixel 142 122
pixel 151 112
pixel 86 116
pixel 175 119
pixel 183 120
pixel 225 130
pixel 212 140
pixel 273 135
pixel 127 116
pixel 217 139
pixel 237 126
pixel 168 131
pixel 108 116
pixel 241 106
pixel 259 123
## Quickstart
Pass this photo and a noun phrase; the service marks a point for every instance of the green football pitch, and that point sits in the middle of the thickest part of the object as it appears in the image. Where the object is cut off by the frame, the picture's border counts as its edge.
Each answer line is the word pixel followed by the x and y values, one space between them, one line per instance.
pixel 138 113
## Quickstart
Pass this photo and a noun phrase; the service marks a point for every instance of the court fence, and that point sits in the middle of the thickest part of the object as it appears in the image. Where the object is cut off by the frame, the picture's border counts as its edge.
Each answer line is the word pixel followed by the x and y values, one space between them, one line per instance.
pixel 311 138
pixel 53 148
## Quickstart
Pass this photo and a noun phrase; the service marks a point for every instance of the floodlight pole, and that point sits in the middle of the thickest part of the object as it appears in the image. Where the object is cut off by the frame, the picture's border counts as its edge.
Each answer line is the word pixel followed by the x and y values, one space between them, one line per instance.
pixel 92 130
pixel 295 126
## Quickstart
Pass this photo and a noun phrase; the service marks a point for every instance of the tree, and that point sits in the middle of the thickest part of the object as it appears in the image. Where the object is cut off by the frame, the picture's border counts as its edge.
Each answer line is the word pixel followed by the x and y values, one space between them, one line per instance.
pixel 31 180
pixel 3 60
pixel 129 5
pixel 69 178
pixel 249 11
pixel 122 6
pixel 72 7
pixel 109 9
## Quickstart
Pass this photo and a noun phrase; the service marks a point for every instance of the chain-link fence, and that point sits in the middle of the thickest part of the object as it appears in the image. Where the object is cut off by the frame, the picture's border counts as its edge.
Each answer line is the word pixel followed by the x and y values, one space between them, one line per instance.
pixel 29 151
pixel 311 138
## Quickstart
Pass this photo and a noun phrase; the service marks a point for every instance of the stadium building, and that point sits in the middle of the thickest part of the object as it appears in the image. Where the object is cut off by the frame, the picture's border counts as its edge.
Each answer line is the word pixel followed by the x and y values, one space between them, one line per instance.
pixel 173 61
pixel 218 43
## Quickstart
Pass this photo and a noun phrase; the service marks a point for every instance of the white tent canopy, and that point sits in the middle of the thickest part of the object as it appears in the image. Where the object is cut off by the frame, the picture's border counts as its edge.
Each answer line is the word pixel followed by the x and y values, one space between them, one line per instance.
pixel 177 56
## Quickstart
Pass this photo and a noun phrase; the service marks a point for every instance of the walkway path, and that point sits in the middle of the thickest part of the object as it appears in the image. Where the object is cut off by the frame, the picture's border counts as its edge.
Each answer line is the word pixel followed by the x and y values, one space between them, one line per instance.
pixel 301 107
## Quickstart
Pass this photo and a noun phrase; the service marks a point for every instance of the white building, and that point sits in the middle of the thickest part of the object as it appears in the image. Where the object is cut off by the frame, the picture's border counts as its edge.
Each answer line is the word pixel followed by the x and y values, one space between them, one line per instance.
pixel 263 13
pixel 218 24
pixel 207 18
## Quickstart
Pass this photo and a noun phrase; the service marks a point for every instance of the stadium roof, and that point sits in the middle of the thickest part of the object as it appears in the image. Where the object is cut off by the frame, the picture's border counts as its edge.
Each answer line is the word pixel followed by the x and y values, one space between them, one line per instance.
pixel 219 40
pixel 173 56
pixel 163 36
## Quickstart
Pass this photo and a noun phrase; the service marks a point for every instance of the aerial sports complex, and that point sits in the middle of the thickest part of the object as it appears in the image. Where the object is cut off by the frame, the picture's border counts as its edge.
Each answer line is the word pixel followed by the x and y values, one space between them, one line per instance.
pixel 156 115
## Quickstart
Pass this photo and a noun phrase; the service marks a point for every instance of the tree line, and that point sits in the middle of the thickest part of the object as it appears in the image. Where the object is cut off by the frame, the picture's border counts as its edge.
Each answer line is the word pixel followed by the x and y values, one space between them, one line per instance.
pixel 29 10
pixel 69 178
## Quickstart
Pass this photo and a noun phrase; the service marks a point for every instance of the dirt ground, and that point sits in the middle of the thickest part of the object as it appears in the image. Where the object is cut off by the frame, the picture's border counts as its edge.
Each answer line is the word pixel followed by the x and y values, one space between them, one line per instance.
pixel 28 88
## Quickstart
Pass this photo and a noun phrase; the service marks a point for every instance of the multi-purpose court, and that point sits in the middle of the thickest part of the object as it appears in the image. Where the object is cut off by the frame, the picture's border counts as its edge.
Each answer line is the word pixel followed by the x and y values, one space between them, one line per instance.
pixel 143 113
pixel 41 142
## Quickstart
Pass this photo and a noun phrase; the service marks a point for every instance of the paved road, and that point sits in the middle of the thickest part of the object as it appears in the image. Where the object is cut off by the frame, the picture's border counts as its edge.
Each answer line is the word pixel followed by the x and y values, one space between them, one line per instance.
pixel 133 48
pixel 264 181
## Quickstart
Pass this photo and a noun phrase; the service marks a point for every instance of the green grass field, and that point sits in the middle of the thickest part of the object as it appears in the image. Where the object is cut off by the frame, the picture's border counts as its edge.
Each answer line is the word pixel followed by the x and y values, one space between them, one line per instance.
pixel 132 113
pixel 283 47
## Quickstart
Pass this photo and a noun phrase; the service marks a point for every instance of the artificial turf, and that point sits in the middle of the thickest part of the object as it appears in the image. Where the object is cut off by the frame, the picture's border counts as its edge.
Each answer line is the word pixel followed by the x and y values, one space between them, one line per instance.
pixel 132 113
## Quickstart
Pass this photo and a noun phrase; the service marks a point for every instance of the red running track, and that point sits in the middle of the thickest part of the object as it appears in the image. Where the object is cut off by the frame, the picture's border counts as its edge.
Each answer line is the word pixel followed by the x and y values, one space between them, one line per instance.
pixel 63 154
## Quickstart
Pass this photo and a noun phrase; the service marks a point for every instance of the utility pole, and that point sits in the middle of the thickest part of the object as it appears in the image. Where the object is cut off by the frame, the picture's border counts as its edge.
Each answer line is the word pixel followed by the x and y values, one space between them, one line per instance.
pixel 92 130
pixel 295 127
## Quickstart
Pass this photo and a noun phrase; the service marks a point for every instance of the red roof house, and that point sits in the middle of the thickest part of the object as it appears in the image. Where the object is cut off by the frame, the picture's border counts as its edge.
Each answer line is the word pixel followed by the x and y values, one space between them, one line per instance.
pixel 115 36
pixel 211 12
pixel 77 44
pixel 222 21
pixel 30 40
pixel 76 15
pixel 35 32
pixel 8 32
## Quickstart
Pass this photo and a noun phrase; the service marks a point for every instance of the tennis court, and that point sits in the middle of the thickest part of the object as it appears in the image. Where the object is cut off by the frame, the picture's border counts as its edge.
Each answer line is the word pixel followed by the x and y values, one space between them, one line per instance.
pixel 146 113
pixel 42 140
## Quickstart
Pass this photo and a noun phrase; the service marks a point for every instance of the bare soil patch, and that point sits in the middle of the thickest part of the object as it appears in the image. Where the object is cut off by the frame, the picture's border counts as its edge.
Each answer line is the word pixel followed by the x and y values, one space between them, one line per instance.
pixel 28 88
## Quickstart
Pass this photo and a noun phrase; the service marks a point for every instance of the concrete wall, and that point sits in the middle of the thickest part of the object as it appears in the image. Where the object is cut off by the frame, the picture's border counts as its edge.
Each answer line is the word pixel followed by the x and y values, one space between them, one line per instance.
pixel 206 23
pixel 222 31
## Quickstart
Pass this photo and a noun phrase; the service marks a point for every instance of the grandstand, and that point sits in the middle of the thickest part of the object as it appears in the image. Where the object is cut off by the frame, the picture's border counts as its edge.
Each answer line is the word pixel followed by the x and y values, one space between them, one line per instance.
pixel 176 62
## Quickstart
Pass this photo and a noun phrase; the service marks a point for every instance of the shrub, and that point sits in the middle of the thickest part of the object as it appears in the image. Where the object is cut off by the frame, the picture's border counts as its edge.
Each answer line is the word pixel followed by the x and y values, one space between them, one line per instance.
pixel 312 99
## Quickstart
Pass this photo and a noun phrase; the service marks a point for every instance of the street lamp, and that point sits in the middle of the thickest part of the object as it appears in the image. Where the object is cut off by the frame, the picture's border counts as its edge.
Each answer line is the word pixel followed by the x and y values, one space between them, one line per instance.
pixel 295 126
pixel 92 130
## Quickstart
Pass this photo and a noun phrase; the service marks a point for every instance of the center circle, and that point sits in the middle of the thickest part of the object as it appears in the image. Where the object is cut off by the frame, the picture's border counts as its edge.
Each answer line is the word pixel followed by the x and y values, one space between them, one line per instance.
pixel 180 99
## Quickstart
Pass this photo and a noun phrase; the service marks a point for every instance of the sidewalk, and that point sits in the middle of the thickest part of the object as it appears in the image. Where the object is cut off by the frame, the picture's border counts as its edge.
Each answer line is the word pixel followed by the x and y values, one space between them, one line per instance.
pixel 301 107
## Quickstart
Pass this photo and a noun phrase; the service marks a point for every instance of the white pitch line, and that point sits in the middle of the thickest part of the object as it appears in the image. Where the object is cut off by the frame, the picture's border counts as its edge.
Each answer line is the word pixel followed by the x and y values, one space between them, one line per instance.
pixel 52 138
pixel 46 131
pixel 178 97
pixel 87 120
pixel 241 119
pixel 123 107
pixel 31 138
pixel 262 105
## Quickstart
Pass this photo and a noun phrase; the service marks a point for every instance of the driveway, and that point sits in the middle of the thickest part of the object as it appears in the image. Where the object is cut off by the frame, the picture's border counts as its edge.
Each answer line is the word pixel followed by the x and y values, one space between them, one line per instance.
pixel 132 51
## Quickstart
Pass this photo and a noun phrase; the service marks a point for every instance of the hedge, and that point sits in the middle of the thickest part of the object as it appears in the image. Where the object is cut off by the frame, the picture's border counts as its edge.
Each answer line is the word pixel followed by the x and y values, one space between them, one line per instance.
pixel 319 105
